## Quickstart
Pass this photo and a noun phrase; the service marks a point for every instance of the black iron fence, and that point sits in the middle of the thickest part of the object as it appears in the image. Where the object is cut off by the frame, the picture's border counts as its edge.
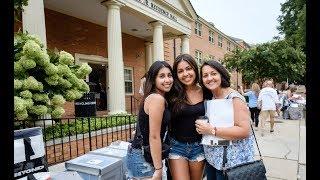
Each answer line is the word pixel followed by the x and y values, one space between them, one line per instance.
pixel 67 138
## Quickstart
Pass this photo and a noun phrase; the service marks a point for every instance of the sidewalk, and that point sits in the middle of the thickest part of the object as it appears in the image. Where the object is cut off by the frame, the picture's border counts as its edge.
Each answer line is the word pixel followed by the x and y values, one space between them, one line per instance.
pixel 284 150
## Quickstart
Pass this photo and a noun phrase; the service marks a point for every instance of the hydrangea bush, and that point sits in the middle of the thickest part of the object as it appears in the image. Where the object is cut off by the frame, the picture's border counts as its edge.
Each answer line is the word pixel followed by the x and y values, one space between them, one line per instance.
pixel 44 80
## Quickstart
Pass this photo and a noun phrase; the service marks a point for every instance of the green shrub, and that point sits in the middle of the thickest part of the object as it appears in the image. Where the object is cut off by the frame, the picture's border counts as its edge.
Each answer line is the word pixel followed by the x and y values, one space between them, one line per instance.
pixel 81 126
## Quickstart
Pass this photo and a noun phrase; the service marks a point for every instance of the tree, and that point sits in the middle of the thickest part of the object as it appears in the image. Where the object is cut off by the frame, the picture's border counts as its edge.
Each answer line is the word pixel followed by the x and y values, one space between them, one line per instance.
pixel 277 60
pixel 293 22
pixel 44 80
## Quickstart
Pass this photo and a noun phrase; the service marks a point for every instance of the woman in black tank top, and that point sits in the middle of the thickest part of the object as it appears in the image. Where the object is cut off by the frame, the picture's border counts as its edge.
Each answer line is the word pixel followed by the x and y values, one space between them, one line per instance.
pixel 186 158
pixel 153 120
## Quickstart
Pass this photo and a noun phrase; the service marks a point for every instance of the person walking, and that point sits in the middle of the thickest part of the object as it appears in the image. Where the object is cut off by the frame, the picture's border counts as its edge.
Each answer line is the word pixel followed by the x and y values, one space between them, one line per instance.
pixel 186 158
pixel 267 101
pixel 216 82
pixel 153 120
pixel 253 99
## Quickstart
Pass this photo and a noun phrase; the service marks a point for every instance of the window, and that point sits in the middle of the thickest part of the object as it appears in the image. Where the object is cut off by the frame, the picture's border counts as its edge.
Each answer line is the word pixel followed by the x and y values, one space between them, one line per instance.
pixel 198 55
pixel 220 39
pixel 197 28
pixel 228 46
pixel 128 81
pixel 211 57
pixel 211 37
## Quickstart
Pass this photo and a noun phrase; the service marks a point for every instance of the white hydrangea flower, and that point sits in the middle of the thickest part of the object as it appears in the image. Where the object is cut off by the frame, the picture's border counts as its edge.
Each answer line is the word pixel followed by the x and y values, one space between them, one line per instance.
pixel 38 110
pixel 29 103
pixel 65 58
pixel 30 83
pixel 17 84
pixel 26 94
pixel 41 97
pixel 63 69
pixel 58 100
pixel 57 112
pixel 36 39
pixel 52 80
pixel 19 104
pixel 22 115
pixel 70 95
pixel 18 69
pixel 27 63
pixel 32 49
pixel 64 83
pixel 84 70
pixel 51 69
pixel 43 59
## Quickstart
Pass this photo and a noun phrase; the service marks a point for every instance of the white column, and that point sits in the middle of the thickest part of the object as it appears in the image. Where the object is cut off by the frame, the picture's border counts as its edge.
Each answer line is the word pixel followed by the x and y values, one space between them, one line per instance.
pixel 33 20
pixel 185 44
pixel 148 55
pixel 115 59
pixel 158 52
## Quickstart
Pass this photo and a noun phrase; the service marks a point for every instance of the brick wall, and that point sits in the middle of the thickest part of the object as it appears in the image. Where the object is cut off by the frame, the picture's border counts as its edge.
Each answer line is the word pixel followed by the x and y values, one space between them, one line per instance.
pixel 78 36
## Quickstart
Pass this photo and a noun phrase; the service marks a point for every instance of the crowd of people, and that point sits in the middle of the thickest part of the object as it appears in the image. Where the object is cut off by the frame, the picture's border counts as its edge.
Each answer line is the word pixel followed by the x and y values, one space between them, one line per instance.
pixel 173 100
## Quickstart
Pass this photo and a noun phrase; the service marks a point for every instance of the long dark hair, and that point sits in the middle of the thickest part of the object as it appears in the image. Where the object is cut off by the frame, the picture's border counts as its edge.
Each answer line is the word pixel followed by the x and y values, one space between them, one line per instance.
pixel 180 97
pixel 224 73
pixel 151 75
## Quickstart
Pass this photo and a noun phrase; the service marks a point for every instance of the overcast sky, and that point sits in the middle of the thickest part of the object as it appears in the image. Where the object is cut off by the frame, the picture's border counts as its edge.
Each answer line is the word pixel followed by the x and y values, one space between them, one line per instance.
pixel 254 21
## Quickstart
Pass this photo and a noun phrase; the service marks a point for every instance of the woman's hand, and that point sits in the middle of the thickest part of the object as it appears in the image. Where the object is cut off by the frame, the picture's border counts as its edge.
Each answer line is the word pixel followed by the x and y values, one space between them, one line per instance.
pixel 203 127
pixel 157 175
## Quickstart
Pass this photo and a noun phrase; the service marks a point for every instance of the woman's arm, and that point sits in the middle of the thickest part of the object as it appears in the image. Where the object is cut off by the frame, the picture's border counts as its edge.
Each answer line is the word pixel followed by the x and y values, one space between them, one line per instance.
pixel 241 127
pixel 155 106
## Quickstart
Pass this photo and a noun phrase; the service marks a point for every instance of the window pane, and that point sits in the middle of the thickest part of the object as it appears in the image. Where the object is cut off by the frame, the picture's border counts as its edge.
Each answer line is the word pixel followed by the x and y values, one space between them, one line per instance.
pixel 128 87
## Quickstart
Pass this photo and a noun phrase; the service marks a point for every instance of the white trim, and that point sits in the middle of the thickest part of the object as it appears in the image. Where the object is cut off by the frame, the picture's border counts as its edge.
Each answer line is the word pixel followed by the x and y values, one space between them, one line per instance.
pixel 80 58
pixel 131 69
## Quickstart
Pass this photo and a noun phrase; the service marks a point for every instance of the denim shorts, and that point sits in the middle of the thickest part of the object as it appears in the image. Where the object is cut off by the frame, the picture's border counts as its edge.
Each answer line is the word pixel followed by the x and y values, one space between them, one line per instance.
pixel 189 151
pixel 137 166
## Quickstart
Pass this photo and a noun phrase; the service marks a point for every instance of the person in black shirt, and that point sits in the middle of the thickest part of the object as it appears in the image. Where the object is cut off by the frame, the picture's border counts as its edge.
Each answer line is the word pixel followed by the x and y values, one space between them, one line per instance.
pixel 186 158
pixel 153 120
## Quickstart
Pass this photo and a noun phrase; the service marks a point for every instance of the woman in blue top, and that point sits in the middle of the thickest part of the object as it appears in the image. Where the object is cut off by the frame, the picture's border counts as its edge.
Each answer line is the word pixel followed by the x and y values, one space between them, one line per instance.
pixel 253 102
pixel 216 81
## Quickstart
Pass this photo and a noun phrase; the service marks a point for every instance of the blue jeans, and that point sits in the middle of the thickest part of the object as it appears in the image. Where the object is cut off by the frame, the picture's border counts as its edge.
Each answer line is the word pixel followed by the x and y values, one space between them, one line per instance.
pixel 136 164
pixel 189 151
pixel 213 173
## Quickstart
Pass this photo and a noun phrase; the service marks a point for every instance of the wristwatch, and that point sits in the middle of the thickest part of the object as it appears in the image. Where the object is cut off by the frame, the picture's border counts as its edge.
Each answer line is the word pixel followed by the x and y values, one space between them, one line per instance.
pixel 213 131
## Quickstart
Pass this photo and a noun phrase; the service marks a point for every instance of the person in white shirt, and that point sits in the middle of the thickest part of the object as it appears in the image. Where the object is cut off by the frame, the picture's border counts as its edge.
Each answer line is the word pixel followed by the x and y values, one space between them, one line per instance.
pixel 267 101
pixel 142 83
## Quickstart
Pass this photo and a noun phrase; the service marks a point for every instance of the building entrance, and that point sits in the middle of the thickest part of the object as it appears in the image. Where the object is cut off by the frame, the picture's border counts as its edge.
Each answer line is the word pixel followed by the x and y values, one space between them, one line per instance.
pixel 98 83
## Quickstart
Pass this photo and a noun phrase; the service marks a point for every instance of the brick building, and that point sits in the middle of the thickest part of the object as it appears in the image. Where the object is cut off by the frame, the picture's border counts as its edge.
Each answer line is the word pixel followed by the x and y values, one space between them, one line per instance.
pixel 120 39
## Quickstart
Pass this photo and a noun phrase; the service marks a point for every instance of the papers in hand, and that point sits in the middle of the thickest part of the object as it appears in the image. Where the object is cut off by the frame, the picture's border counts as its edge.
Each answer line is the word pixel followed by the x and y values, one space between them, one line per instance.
pixel 220 114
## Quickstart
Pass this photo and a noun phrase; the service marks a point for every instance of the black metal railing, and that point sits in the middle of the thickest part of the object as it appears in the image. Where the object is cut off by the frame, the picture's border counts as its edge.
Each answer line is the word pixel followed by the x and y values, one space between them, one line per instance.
pixel 67 138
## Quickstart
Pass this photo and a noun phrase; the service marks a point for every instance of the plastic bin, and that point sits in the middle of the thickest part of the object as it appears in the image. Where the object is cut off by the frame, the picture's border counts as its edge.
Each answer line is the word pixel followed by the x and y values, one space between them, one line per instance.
pixel 96 167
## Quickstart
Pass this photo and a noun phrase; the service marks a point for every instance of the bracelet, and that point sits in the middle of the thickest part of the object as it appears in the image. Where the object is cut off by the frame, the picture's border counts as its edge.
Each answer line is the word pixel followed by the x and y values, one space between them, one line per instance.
pixel 158 168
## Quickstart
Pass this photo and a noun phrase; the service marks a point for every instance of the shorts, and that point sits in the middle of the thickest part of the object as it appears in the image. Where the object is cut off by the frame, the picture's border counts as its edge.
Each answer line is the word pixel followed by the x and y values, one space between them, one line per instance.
pixel 137 166
pixel 190 151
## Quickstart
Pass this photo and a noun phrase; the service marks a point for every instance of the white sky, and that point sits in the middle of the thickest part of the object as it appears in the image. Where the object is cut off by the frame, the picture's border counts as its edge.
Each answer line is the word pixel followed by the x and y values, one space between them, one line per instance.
pixel 254 21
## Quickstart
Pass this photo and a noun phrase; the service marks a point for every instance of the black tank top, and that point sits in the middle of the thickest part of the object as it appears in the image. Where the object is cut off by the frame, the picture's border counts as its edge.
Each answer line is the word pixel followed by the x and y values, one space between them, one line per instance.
pixel 183 124
pixel 143 122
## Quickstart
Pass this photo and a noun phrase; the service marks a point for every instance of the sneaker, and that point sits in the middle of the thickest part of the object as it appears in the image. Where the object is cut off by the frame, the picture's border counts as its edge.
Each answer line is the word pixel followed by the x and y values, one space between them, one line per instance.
pixel 271 130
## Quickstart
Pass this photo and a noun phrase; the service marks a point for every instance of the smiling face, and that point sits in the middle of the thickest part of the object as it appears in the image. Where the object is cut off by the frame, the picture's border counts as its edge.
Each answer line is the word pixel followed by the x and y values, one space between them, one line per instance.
pixel 211 78
pixel 186 73
pixel 164 80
